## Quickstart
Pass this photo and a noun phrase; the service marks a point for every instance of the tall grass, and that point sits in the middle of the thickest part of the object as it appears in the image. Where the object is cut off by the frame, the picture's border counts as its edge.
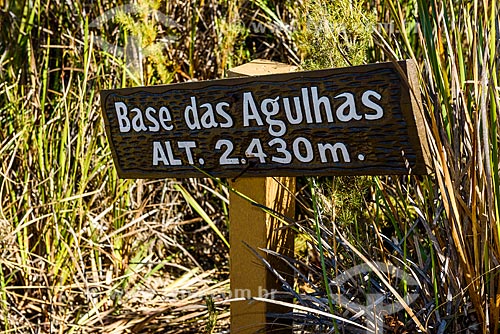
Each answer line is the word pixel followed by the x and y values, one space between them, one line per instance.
pixel 81 250
pixel 442 229
pixel 457 45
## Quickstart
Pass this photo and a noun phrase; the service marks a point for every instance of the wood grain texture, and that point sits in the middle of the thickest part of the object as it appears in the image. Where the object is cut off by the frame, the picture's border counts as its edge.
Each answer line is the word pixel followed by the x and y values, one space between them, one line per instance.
pixel 393 144
pixel 251 229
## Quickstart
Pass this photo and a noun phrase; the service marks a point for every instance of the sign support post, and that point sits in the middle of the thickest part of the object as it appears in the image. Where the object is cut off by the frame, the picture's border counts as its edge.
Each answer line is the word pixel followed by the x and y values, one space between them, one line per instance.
pixel 251 227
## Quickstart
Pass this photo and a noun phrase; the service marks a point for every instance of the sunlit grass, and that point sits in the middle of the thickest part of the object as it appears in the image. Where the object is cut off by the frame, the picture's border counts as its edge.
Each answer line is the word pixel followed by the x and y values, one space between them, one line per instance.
pixel 79 246
pixel 441 229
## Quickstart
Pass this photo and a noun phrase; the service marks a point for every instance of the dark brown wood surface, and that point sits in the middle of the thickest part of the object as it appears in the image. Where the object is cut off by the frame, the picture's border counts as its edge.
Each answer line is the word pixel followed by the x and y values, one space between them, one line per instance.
pixel 366 140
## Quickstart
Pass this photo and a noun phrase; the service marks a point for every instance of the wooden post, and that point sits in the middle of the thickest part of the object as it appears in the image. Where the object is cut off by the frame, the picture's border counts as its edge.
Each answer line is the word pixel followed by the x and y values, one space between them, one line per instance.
pixel 251 227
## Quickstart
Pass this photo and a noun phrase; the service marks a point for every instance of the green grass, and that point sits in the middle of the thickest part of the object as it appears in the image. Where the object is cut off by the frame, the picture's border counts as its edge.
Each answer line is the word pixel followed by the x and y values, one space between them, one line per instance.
pixel 458 77
pixel 441 229
pixel 79 246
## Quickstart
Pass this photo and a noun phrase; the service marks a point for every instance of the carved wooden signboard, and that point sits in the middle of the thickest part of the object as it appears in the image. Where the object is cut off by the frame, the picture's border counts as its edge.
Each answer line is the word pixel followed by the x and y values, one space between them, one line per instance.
pixel 363 120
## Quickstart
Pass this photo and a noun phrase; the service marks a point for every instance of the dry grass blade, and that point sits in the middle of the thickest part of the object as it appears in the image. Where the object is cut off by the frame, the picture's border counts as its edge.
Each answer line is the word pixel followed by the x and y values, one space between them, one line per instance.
pixel 396 294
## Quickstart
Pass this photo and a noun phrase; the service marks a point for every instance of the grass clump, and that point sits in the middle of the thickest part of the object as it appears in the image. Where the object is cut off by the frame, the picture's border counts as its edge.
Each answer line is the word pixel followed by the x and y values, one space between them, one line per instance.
pixel 442 230
pixel 148 32
pixel 334 33
pixel 80 250
pixel 457 51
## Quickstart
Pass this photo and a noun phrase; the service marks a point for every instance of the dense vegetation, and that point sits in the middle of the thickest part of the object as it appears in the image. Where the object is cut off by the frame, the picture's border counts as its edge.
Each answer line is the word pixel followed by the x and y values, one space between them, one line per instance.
pixel 83 251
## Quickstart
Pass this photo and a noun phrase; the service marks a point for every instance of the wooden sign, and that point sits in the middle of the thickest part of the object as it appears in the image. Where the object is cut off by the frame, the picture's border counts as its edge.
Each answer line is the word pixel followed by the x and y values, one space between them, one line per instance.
pixel 363 120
